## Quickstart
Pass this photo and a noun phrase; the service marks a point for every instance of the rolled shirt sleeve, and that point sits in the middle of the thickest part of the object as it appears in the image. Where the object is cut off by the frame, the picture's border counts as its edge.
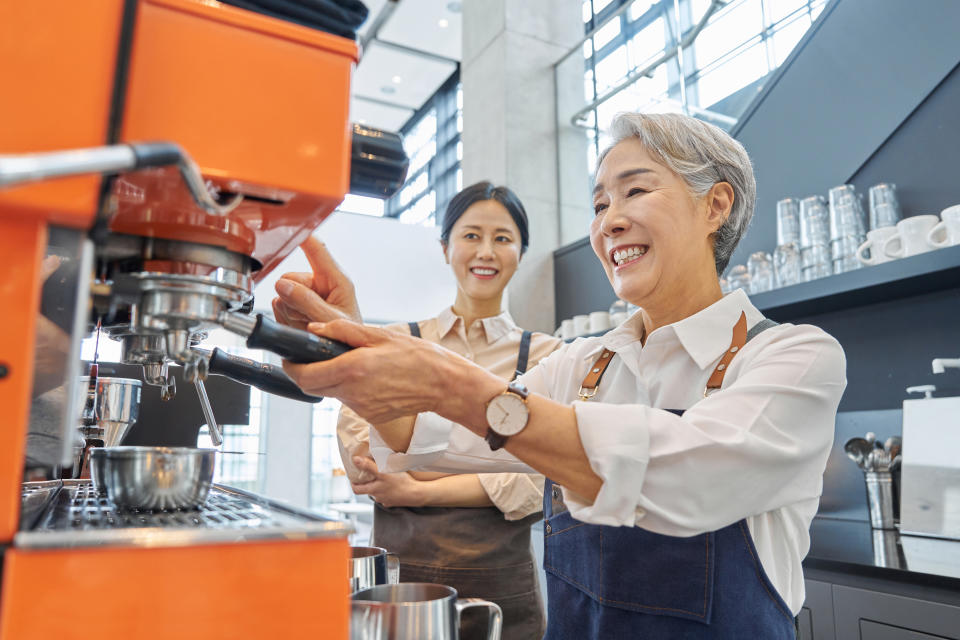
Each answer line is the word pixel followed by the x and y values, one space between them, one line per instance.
pixel 757 445
pixel 517 495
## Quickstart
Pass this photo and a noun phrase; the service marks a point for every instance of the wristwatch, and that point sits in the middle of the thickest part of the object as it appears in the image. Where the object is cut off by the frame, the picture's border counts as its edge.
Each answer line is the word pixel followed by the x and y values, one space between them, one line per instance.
pixel 507 415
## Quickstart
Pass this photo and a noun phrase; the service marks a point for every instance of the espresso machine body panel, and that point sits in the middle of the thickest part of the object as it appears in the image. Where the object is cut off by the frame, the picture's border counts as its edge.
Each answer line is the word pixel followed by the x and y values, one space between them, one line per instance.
pixel 250 116
pixel 269 589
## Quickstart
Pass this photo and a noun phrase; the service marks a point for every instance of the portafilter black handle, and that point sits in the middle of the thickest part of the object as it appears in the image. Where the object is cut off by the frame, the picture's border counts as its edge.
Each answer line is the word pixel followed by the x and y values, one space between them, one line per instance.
pixel 263 376
pixel 301 347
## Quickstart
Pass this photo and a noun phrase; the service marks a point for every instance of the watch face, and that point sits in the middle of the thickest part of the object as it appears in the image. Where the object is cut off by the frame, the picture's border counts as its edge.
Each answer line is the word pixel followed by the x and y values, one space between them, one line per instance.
pixel 507 414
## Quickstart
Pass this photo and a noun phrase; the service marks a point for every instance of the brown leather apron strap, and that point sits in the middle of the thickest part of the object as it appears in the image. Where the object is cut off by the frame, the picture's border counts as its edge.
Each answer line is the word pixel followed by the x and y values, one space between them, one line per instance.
pixel 588 388
pixel 739 339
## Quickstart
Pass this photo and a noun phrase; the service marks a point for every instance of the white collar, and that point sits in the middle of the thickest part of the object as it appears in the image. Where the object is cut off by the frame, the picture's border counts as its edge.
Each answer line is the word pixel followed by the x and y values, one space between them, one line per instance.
pixel 705 335
pixel 494 327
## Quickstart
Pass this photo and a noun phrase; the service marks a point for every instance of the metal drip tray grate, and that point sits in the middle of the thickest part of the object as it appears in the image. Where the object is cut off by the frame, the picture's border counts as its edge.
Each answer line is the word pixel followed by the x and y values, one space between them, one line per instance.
pixel 85 509
pixel 76 515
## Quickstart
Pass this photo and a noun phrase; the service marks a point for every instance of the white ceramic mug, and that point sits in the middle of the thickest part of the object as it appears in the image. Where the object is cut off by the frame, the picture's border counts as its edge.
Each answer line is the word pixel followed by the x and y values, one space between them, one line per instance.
pixel 567 330
pixel 618 318
pixel 949 228
pixel 581 325
pixel 874 244
pixel 599 321
pixel 911 237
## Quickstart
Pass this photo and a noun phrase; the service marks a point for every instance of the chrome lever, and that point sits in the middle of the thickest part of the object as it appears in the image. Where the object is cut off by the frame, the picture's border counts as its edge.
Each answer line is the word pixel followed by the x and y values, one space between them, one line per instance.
pixel 216 437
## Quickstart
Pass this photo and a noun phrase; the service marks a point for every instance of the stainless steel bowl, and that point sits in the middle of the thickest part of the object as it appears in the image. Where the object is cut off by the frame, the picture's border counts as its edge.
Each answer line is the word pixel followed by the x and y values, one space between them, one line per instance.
pixel 157 477
pixel 96 469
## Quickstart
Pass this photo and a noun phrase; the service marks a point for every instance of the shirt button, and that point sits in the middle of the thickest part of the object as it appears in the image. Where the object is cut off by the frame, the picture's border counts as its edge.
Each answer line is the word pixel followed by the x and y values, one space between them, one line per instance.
pixel 548 528
pixel 557 494
pixel 641 512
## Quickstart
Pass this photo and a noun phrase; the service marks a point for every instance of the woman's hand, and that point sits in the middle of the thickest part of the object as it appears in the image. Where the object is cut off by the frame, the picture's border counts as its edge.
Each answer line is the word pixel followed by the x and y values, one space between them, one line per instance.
pixel 388 489
pixel 412 490
pixel 389 375
pixel 324 295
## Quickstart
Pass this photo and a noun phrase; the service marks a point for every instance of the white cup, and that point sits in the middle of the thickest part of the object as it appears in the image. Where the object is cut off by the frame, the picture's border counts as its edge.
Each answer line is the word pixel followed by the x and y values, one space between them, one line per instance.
pixel 599 321
pixel 911 237
pixel 618 318
pixel 949 228
pixel 581 325
pixel 566 329
pixel 874 244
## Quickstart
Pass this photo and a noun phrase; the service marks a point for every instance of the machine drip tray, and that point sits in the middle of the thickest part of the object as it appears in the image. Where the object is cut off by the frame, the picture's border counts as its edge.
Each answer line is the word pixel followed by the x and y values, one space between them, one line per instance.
pixel 74 515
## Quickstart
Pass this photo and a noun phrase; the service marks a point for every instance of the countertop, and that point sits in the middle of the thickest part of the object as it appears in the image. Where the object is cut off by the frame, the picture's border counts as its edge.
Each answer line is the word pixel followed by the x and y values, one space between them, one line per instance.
pixel 851 546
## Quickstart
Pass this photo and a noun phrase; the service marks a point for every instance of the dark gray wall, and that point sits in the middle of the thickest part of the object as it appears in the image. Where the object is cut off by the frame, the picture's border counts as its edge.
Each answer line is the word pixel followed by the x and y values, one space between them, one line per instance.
pixel 857 75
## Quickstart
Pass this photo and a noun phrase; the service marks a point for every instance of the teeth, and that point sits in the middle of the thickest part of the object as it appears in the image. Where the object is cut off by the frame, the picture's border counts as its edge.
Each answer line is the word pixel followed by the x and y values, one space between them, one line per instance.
pixel 480 271
pixel 627 254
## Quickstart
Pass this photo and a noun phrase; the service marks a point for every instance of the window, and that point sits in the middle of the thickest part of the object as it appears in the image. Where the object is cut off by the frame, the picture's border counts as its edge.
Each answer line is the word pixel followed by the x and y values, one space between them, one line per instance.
pixel 723 68
pixel 432 141
pixel 325 456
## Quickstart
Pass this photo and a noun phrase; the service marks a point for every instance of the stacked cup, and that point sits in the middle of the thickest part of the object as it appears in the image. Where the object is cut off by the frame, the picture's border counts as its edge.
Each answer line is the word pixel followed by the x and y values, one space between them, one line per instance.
pixel 847 228
pixel 884 216
pixel 947 232
pixel 760 267
pixel 786 257
pixel 815 238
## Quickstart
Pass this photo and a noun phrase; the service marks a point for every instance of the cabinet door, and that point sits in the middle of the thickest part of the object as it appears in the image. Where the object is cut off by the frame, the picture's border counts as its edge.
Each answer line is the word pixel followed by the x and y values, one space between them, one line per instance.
pixel 869 615
pixel 816 617
pixel 876 631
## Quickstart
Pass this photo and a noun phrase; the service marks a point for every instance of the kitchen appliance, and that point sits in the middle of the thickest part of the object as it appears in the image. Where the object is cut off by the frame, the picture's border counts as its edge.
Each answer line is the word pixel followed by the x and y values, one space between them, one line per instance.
pixel 156 478
pixel 415 611
pixel 371 566
pixel 930 481
pixel 158 243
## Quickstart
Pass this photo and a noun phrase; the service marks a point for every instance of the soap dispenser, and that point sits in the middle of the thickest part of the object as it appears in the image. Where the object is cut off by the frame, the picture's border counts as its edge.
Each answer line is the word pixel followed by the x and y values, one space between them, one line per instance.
pixel 930 469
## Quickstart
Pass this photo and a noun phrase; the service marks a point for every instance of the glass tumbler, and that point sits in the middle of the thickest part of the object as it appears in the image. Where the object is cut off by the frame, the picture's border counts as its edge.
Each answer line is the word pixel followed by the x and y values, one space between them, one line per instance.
pixel 846 214
pixel 786 264
pixel 738 278
pixel 884 207
pixel 814 222
pixel 788 221
pixel 760 267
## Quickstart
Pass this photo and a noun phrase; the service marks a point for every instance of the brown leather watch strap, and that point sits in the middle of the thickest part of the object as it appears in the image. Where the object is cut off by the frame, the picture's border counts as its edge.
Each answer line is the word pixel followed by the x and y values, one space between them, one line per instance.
pixel 588 388
pixel 739 339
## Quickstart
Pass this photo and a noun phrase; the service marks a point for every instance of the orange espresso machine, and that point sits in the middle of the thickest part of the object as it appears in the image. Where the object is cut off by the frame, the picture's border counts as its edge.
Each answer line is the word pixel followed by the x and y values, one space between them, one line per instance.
pixel 180 149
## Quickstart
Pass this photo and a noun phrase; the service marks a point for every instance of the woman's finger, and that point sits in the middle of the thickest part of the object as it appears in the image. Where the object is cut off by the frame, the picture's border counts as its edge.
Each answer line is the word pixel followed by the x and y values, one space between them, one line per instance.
pixel 366 464
pixel 363 488
pixel 291 314
pixel 306 301
pixel 50 264
pixel 354 334
pixel 327 274
pixel 304 278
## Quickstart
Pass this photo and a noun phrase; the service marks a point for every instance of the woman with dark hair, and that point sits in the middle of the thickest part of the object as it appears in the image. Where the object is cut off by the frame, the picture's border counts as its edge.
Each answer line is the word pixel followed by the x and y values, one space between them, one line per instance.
pixel 469 531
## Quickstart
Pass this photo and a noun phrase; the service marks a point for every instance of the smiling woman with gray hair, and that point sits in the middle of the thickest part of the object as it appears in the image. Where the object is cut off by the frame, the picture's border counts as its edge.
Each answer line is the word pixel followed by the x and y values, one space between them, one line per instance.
pixel 686 447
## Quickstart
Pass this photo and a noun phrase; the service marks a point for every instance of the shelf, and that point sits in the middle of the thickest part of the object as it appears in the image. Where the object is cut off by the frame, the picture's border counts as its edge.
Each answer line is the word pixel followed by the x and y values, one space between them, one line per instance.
pixel 925 273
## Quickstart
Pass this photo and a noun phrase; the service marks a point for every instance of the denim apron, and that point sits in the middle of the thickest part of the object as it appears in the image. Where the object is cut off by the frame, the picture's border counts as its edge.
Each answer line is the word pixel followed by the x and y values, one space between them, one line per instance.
pixel 472 549
pixel 609 582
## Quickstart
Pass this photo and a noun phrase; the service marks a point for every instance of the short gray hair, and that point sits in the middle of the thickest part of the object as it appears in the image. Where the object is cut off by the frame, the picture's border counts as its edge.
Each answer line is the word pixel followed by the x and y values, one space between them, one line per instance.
pixel 702 155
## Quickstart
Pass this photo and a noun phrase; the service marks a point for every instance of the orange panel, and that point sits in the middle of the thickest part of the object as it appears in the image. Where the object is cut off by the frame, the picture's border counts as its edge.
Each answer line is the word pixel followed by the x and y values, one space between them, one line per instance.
pixel 57 77
pixel 22 243
pixel 251 98
pixel 270 590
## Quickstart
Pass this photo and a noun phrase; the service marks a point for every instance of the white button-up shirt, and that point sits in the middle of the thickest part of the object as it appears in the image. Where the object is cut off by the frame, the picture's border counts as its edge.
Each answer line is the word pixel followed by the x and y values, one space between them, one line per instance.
pixel 755 449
